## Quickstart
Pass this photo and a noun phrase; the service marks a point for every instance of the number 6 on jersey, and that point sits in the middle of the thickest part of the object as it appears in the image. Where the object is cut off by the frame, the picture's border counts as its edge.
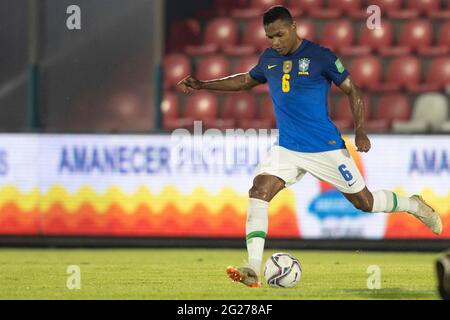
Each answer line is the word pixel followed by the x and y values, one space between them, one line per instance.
pixel 285 85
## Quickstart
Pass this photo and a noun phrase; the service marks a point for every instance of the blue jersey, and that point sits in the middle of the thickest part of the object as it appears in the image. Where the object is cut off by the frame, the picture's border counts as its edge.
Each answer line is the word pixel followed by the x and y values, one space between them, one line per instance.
pixel 299 84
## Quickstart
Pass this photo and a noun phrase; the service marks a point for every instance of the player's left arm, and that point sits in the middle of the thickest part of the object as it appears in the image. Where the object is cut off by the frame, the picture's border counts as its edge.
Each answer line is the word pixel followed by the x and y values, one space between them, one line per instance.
pixel 357 105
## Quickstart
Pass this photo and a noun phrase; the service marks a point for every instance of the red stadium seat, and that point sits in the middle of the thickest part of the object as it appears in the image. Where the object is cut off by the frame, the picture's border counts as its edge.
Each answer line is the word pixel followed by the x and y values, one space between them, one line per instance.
pixel 403 73
pixel 439 72
pixel 416 34
pixel 306 6
pixel 314 8
pixel 240 106
pixel 245 64
pixel 394 9
pixel 255 36
pixel 378 39
pixel 265 118
pixel 203 106
pixel 255 8
pixel 265 4
pixel 169 106
pixel 219 32
pixel 366 71
pixel 223 8
pixel 441 13
pixel 444 34
pixel 171 113
pixel 389 108
pixel 442 46
pixel 183 33
pixel 337 34
pixel 336 9
pixel 437 78
pixel 346 5
pixel 247 46
pixel 343 116
pixel 354 8
pixel 424 6
pixel 306 29
pixel 326 12
pixel 176 67
pixel 213 67
pixel 386 5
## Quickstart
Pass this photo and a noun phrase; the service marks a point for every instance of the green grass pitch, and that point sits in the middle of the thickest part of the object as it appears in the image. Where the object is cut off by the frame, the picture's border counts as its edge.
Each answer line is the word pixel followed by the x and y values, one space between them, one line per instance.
pixel 200 274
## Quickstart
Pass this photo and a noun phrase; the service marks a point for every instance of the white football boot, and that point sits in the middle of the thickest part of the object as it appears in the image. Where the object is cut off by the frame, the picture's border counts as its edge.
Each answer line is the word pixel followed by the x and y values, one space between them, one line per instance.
pixel 245 275
pixel 427 215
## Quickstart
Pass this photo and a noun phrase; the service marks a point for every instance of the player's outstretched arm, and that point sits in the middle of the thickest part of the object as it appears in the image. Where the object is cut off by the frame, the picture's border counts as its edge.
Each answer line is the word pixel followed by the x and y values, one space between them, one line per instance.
pixel 357 105
pixel 237 82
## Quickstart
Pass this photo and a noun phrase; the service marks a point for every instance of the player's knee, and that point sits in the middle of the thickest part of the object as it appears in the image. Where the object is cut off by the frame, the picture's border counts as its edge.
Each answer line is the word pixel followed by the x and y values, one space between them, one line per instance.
pixel 260 192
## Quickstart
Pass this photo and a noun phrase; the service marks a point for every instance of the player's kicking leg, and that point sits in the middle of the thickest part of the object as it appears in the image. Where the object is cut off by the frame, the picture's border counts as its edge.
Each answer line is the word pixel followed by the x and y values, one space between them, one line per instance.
pixel 388 201
pixel 338 168
pixel 265 187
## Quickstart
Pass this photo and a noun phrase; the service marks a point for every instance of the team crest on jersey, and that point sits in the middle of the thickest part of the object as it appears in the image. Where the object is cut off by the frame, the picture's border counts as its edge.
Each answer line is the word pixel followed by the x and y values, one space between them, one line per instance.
pixel 287 66
pixel 303 66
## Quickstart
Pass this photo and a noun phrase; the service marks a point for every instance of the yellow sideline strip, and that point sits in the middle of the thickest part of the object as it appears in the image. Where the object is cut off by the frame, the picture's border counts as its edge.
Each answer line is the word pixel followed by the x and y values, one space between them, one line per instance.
pixel 71 202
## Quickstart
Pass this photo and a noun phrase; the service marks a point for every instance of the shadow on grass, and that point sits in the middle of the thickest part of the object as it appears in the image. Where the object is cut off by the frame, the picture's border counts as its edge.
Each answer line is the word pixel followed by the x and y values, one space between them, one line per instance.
pixel 393 293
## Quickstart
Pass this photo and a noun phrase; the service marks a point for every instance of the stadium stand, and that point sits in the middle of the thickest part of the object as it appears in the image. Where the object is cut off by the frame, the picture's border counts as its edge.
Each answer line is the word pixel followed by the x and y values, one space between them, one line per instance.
pixel 241 107
pixel 244 64
pixel 394 65
pixel 366 71
pixel 202 106
pixel 337 34
pixel 212 67
pixel 430 111
pixel 403 73
pixel 176 67
pixel 255 35
pixel 254 8
pixel 183 33
pixel 219 33
pixel 378 39
pixel 306 29
pixel 389 108
pixel 171 111
pixel 342 116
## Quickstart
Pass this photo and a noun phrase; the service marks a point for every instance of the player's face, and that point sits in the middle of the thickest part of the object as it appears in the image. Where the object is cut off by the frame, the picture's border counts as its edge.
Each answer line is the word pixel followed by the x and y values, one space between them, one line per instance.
pixel 282 35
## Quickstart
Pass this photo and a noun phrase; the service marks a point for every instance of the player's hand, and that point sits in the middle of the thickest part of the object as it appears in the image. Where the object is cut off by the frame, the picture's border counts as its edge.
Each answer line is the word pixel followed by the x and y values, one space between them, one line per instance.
pixel 189 84
pixel 362 141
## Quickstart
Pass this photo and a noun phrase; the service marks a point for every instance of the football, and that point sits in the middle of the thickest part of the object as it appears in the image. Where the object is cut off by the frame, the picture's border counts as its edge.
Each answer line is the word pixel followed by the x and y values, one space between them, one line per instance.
pixel 282 270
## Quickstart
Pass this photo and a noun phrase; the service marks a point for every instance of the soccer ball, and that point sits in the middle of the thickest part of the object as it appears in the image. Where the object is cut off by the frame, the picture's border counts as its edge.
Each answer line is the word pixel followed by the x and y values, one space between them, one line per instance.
pixel 282 270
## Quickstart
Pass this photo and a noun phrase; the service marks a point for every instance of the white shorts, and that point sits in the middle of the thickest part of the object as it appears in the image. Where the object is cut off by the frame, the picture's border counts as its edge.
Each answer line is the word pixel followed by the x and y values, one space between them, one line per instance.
pixel 335 167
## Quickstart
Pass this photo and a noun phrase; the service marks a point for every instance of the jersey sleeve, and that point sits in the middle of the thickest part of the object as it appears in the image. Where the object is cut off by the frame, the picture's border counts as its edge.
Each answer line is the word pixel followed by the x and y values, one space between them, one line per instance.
pixel 257 72
pixel 334 70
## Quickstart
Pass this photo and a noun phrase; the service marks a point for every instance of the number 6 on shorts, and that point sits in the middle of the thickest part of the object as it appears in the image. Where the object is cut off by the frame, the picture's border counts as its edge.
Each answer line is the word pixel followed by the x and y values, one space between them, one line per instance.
pixel 345 173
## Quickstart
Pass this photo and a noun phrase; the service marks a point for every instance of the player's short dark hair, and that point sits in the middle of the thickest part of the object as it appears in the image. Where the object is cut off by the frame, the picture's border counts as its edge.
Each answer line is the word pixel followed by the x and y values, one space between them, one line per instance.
pixel 277 13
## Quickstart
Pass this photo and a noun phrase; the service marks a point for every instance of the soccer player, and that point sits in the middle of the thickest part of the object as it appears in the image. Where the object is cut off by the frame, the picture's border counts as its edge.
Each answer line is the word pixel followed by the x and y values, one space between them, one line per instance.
pixel 299 74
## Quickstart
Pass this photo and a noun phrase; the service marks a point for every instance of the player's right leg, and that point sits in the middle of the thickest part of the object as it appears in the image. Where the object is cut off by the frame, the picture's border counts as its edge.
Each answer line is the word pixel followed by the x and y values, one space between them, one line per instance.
pixel 273 174
pixel 265 187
